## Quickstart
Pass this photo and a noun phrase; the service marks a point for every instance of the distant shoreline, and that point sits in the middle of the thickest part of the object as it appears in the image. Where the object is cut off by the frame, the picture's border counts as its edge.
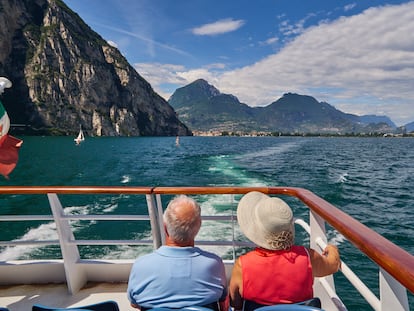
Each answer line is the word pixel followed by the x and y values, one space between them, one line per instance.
pixel 277 134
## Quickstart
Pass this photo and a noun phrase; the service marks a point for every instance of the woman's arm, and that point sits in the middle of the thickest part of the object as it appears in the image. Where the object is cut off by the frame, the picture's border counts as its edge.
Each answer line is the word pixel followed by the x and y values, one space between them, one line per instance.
pixel 224 305
pixel 236 286
pixel 327 263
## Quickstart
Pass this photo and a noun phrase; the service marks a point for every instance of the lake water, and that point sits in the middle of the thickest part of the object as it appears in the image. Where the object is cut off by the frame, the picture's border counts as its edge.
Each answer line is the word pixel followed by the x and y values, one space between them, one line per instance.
pixel 372 179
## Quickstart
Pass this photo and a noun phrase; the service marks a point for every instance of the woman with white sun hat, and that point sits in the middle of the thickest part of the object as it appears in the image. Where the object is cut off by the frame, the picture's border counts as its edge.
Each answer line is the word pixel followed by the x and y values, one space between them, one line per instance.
pixel 276 271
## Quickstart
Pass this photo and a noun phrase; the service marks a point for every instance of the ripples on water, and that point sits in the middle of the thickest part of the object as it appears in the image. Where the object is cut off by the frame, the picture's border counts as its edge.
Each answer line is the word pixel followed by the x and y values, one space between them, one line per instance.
pixel 372 179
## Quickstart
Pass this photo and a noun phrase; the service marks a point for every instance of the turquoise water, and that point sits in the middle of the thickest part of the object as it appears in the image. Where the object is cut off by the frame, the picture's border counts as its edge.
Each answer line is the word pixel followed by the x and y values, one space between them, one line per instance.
pixel 372 179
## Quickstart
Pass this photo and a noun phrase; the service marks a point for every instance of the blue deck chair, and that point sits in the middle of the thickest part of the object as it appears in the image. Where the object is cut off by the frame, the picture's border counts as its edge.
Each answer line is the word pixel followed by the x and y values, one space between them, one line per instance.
pixel 101 306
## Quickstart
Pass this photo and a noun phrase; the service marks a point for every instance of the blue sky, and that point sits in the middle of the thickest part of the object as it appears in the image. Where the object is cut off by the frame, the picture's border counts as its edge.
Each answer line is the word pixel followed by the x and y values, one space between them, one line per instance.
pixel 356 55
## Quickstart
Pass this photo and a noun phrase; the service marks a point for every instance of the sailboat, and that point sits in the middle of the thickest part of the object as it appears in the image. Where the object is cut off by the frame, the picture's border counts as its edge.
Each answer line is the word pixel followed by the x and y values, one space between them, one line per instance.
pixel 80 138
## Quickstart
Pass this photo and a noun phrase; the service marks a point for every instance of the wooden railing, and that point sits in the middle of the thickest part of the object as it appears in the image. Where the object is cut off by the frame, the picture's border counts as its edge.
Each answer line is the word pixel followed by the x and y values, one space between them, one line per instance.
pixel 395 264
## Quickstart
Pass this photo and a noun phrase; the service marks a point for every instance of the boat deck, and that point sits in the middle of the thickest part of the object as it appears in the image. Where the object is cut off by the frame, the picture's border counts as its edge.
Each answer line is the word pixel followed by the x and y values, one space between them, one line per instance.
pixel 23 297
pixel 95 280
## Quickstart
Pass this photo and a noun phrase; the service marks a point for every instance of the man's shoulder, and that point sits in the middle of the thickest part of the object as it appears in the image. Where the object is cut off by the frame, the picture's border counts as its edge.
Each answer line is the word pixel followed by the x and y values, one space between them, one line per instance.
pixel 147 257
pixel 208 254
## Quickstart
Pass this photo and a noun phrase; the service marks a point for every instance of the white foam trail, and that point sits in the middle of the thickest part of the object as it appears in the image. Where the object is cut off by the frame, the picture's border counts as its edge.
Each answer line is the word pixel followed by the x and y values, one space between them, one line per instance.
pixel 218 230
pixel 271 152
pixel 343 178
pixel 77 210
pixel 125 179
pixel 128 252
pixel 131 252
pixel 42 233
pixel 110 208
pixel 223 165
pixel 337 238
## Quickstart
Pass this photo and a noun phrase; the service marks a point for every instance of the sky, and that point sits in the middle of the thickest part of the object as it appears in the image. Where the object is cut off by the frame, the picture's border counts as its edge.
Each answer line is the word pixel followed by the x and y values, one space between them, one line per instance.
pixel 357 56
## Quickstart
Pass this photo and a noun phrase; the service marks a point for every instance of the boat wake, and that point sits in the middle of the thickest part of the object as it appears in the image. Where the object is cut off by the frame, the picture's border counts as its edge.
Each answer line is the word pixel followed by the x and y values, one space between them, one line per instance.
pixel 43 233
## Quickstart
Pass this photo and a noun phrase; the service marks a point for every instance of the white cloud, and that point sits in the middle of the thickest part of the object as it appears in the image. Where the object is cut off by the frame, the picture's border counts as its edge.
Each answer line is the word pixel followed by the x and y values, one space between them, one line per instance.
pixel 363 64
pixel 157 73
pixel 349 7
pixel 218 28
pixel 271 41
pixel 161 74
pixel 371 53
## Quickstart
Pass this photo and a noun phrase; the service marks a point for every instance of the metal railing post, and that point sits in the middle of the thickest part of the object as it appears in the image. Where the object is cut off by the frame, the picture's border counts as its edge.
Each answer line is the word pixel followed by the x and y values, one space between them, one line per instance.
pixel 75 278
pixel 318 233
pixel 392 294
pixel 160 218
pixel 154 219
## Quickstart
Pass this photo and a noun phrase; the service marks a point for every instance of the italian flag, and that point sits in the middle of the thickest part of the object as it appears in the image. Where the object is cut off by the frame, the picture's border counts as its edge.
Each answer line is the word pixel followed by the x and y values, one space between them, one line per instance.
pixel 9 145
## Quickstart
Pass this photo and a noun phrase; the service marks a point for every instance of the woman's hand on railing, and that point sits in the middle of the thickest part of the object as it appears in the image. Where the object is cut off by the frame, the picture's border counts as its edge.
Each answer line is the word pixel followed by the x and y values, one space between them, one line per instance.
pixel 326 263
pixel 332 255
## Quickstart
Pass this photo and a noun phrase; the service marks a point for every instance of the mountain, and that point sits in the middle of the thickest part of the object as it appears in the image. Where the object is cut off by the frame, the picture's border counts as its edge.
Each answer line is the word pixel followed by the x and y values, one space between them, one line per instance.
pixel 65 75
pixel 367 119
pixel 301 113
pixel 409 127
pixel 202 107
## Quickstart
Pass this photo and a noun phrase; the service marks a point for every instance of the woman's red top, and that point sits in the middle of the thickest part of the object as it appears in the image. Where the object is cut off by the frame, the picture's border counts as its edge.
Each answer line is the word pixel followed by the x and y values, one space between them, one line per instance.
pixel 272 277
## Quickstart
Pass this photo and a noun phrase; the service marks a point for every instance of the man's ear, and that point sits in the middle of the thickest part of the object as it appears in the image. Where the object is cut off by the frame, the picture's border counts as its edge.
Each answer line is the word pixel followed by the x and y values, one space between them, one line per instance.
pixel 165 230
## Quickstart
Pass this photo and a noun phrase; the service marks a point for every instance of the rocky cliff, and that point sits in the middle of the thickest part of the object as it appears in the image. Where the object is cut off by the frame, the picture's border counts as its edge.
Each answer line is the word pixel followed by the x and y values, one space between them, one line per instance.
pixel 65 75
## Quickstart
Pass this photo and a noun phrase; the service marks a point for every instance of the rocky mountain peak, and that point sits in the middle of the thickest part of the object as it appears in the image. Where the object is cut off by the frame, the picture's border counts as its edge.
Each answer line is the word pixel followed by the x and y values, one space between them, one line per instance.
pixel 65 75
pixel 206 88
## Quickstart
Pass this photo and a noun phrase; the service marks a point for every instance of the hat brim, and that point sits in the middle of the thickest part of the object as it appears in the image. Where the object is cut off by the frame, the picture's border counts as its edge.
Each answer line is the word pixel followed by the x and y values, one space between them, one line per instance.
pixel 248 217
pixel 7 82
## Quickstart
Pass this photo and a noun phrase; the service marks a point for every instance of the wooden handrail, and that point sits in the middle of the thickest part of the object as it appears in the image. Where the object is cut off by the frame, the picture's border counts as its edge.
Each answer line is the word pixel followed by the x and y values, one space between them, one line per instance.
pixel 74 190
pixel 393 259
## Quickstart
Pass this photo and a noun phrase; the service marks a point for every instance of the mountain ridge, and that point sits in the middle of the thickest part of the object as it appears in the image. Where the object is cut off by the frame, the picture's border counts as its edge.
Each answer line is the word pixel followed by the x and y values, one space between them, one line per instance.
pixel 291 113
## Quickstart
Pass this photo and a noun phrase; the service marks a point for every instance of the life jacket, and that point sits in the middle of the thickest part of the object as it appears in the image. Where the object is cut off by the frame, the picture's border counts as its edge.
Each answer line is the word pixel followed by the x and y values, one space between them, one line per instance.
pixel 272 277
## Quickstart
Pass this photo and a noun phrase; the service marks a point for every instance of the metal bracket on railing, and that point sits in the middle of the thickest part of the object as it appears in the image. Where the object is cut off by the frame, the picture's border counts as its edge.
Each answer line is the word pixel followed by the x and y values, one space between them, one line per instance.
pixel 160 218
pixel 75 277
pixel 154 215
pixel 317 235
pixel 393 294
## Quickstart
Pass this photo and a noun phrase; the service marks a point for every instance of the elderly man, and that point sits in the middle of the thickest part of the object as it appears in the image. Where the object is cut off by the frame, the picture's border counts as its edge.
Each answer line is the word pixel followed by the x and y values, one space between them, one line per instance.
pixel 178 274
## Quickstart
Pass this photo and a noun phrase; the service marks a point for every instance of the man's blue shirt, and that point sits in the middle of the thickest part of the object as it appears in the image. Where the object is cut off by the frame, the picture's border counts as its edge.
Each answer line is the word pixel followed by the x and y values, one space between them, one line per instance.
pixel 177 277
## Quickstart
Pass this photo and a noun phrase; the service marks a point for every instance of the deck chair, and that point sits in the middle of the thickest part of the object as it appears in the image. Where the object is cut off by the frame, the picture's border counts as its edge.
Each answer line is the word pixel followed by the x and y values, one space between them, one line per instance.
pixel 101 306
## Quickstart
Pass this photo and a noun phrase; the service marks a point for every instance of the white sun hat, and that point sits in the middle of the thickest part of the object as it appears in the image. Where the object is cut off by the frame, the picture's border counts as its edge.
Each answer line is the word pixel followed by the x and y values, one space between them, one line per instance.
pixel 266 221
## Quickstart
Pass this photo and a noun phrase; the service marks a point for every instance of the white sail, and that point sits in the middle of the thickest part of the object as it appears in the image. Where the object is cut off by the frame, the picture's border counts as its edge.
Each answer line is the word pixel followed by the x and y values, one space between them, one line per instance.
pixel 80 137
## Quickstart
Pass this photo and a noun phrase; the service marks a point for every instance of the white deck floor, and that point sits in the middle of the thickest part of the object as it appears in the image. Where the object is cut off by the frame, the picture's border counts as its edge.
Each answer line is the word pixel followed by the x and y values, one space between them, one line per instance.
pixel 23 297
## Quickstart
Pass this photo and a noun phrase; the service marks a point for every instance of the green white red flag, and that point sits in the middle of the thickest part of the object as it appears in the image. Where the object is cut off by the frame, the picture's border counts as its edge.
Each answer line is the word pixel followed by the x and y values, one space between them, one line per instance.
pixel 9 145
